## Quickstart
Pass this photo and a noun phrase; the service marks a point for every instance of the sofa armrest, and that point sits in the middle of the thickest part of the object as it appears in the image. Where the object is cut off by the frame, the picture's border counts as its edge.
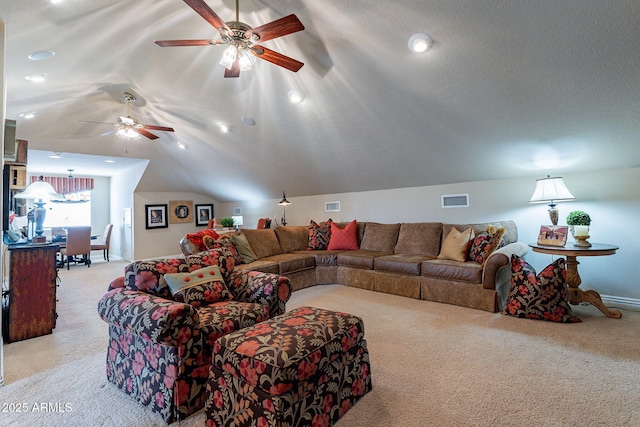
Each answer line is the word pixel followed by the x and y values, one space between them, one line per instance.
pixel 497 270
pixel 155 319
pixel 265 288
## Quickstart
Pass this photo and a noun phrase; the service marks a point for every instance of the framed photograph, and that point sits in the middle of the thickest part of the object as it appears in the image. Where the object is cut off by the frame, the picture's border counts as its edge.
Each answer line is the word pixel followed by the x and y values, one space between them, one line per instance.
pixel 156 216
pixel 553 235
pixel 203 214
pixel 180 211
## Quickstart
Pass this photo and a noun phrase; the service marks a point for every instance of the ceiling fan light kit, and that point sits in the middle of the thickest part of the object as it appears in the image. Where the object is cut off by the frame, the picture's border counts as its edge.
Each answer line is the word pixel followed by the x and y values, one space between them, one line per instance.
pixel 242 52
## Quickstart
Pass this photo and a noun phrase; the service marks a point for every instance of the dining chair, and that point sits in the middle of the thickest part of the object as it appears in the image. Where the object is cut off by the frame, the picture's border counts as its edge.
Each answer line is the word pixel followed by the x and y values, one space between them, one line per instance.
pixel 78 243
pixel 106 241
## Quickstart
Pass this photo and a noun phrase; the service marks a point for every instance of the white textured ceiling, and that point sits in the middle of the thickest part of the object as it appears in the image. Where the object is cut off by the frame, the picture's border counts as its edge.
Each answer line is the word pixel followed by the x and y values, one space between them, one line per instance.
pixel 511 88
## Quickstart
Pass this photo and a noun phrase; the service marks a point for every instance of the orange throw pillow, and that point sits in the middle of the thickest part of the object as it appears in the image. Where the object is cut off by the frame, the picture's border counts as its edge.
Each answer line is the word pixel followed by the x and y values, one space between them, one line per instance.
pixel 196 238
pixel 344 238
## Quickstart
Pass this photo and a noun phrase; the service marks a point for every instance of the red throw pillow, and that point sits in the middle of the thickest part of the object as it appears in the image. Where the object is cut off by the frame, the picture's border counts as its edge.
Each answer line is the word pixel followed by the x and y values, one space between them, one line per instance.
pixel 196 238
pixel 344 238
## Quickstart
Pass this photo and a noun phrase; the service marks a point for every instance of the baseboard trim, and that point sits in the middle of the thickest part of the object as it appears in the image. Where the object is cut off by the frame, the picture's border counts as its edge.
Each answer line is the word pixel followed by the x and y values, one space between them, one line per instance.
pixel 621 302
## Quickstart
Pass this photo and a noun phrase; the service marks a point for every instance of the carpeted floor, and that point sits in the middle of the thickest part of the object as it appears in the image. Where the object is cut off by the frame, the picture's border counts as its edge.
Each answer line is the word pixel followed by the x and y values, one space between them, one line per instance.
pixel 432 365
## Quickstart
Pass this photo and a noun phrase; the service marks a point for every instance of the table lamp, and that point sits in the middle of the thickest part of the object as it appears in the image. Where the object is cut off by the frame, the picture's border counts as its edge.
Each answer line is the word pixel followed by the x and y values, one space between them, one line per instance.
pixel 41 192
pixel 551 190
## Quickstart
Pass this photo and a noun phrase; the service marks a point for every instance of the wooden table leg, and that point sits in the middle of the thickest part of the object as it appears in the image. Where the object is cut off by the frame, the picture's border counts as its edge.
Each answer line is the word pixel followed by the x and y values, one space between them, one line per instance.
pixel 577 295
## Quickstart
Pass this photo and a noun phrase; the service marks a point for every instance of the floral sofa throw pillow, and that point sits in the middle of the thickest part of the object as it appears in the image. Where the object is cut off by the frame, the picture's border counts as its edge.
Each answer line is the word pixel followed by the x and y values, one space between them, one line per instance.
pixel 486 243
pixel 542 296
pixel 200 287
pixel 319 235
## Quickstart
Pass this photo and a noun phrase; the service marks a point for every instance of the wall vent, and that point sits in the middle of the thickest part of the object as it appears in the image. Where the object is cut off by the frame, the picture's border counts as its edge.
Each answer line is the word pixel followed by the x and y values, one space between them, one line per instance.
pixel 455 201
pixel 332 207
pixel 237 211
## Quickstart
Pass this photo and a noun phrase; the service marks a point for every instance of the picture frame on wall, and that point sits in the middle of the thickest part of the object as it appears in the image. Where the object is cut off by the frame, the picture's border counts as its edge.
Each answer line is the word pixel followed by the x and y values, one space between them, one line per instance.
pixel 203 214
pixel 553 235
pixel 180 211
pixel 156 216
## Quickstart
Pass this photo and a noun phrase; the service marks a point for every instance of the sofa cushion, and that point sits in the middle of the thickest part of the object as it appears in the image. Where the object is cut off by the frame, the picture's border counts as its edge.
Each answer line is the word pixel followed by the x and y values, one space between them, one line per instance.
pixel 542 296
pixel 264 265
pixel 293 237
pixel 292 262
pixel 380 237
pixel 421 238
pixel 446 269
pixel 485 243
pixel 344 238
pixel 456 245
pixel 264 242
pixel 358 259
pixel 319 235
pixel 324 258
pixel 401 264
pixel 200 287
pixel 244 248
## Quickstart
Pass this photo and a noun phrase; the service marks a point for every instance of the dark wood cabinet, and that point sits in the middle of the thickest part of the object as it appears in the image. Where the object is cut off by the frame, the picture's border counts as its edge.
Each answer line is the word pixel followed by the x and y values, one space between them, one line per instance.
pixel 30 303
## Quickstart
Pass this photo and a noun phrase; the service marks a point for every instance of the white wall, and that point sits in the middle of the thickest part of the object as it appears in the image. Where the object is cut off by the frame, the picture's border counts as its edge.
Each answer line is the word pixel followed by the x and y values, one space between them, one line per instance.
pixel 122 189
pixel 162 241
pixel 611 197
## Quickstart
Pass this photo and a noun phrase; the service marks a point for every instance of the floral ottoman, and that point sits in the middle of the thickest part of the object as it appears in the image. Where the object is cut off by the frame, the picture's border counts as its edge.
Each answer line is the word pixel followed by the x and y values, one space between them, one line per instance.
pixel 305 367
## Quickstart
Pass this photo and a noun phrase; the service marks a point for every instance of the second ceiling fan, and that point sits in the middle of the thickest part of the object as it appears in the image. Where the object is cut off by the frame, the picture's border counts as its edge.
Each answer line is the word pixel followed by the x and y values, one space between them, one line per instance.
pixel 241 39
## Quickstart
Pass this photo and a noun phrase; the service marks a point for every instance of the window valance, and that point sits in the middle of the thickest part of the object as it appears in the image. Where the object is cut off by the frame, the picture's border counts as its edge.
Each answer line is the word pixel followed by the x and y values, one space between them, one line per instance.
pixel 67 185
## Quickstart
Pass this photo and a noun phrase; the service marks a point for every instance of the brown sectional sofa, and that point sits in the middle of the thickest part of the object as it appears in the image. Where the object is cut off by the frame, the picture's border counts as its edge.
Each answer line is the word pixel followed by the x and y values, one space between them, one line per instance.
pixel 398 259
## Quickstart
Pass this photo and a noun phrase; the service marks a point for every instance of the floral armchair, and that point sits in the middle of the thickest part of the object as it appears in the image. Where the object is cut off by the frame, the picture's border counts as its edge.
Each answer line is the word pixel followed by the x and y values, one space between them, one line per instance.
pixel 161 341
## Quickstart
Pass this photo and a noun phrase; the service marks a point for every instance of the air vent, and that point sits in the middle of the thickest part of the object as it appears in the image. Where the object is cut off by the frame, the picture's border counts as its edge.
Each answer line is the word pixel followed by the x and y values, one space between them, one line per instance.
pixel 332 207
pixel 237 211
pixel 455 201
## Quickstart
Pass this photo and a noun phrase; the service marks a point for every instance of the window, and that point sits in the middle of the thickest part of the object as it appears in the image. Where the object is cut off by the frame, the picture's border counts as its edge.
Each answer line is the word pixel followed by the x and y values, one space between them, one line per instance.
pixel 75 211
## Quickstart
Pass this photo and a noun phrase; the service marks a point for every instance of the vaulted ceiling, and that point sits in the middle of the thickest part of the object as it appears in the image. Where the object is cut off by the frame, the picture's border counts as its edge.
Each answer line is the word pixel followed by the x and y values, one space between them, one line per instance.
pixel 509 89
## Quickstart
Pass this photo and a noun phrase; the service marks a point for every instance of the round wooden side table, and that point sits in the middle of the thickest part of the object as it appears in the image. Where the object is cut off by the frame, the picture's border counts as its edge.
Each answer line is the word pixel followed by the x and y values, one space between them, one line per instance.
pixel 577 295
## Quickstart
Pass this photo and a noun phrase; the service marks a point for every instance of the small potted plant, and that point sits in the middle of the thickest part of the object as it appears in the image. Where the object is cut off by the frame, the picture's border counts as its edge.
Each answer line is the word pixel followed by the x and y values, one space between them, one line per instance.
pixel 579 222
pixel 226 222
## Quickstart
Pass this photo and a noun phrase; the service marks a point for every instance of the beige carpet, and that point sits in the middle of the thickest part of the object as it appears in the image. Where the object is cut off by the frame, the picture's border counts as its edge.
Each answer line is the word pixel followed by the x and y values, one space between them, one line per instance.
pixel 432 365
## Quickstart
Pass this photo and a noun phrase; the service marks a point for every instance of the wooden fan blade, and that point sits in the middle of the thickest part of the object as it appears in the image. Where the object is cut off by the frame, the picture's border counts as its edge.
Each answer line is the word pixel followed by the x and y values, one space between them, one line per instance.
pixel 147 134
pixel 171 43
pixel 278 28
pixel 234 71
pixel 208 14
pixel 276 58
pixel 152 127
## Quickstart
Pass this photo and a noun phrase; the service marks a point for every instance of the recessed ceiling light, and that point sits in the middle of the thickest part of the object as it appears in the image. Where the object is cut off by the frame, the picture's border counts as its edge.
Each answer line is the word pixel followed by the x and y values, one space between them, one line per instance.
pixel 56 1
pixel 248 121
pixel 224 128
pixel 420 42
pixel 295 96
pixel 41 55
pixel 109 161
pixel 37 78
pixel 55 155
pixel 182 145
pixel 29 115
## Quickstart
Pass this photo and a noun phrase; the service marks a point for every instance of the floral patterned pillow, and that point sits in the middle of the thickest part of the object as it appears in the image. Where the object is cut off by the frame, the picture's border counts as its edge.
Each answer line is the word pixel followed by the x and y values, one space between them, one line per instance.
pixel 542 296
pixel 201 287
pixel 148 275
pixel 486 243
pixel 224 257
pixel 319 235
pixel 197 238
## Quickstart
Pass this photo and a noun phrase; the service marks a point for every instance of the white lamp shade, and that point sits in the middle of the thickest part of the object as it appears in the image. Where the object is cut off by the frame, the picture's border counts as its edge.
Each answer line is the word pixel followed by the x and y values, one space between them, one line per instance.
pixel 238 220
pixel 550 189
pixel 40 190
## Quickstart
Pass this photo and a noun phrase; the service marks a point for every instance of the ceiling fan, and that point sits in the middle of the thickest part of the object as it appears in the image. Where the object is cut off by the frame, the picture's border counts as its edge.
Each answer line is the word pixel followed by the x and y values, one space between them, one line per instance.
pixel 241 39
pixel 128 127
